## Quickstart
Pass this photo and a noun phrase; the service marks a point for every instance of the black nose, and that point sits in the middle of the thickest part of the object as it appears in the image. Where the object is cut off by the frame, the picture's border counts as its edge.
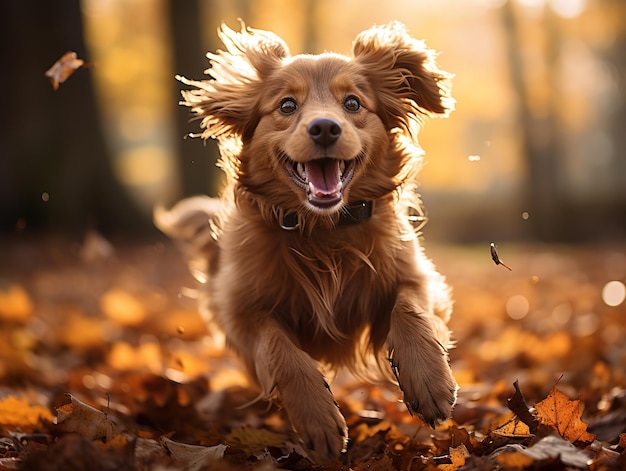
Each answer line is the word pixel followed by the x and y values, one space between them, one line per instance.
pixel 324 131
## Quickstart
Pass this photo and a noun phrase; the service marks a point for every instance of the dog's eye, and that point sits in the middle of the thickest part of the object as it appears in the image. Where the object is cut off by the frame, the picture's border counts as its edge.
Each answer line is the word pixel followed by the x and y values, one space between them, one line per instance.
pixel 288 106
pixel 352 104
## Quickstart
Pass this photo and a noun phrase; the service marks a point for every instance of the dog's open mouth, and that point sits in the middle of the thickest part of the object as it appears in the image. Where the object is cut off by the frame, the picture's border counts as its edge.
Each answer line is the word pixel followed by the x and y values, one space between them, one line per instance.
pixel 322 179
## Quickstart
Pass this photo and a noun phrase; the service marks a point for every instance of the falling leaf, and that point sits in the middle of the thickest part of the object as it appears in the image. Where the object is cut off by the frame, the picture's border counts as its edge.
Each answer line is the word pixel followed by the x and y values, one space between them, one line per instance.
pixel 496 258
pixel 193 457
pixel 563 415
pixel 78 417
pixel 64 68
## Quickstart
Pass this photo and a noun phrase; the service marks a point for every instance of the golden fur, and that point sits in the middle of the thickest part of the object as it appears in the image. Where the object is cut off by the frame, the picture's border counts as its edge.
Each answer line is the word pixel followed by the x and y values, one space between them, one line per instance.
pixel 306 136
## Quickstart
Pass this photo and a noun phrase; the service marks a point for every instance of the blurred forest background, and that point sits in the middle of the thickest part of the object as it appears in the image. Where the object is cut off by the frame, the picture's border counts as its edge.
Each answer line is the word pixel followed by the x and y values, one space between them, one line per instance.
pixel 536 150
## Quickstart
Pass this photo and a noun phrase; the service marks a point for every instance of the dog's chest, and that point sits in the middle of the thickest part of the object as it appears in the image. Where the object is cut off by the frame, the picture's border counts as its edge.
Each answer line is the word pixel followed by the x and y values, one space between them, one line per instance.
pixel 338 288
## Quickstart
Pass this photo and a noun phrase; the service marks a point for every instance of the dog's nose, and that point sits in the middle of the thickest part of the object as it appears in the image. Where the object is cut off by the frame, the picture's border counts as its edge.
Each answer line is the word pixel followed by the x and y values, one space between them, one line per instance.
pixel 324 131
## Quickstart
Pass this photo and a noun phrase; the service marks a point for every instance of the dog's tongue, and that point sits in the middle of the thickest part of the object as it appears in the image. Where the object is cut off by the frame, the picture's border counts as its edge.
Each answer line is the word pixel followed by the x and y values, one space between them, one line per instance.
pixel 324 178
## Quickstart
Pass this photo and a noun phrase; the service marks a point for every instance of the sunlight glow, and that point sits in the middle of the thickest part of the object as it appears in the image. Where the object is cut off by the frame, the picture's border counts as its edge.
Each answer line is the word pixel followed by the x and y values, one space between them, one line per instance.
pixel 517 307
pixel 567 8
pixel 614 293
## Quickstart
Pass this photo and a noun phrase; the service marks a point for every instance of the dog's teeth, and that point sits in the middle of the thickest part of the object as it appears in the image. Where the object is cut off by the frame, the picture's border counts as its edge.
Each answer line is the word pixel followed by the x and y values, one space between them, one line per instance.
pixel 300 170
pixel 342 166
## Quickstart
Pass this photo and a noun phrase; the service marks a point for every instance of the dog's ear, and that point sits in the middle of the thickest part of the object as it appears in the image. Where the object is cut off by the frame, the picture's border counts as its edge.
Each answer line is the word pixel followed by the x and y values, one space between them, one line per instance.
pixel 227 102
pixel 404 73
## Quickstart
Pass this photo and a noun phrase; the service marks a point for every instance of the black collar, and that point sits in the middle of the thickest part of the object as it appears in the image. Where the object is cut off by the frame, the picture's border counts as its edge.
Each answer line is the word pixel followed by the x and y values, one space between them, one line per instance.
pixel 353 213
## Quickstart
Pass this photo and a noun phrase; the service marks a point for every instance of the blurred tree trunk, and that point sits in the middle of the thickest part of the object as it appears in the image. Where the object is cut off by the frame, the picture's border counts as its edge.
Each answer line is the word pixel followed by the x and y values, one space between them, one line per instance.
pixel 616 57
pixel 51 142
pixel 196 158
pixel 540 137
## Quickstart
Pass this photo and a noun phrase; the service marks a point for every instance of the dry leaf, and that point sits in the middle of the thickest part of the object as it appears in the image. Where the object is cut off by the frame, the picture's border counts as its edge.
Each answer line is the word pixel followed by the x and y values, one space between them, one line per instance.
pixel 253 440
pixel 514 428
pixel 193 457
pixel 496 258
pixel 62 69
pixel 514 460
pixel 19 413
pixel 122 307
pixel 15 304
pixel 78 417
pixel 563 414
pixel 458 455
pixel 517 404
pixel 555 447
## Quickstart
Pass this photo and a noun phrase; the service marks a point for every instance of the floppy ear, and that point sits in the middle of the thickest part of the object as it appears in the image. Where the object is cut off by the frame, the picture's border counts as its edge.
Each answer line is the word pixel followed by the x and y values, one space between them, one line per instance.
pixel 227 103
pixel 404 74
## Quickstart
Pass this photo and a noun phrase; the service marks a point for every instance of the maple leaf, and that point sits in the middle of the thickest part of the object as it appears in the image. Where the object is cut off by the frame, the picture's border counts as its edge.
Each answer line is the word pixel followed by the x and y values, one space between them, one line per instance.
pixel 563 415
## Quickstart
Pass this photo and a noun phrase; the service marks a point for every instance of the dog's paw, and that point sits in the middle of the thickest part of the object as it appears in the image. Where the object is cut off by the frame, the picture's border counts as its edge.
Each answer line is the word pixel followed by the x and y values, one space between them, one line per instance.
pixel 427 383
pixel 316 417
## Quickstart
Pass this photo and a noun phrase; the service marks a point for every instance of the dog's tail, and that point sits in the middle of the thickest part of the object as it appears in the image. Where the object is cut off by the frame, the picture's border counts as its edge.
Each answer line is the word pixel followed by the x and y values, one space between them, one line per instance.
pixel 191 223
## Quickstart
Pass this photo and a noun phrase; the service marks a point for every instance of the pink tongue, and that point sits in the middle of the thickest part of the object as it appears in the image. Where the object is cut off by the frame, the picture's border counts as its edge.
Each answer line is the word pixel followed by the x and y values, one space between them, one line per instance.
pixel 323 176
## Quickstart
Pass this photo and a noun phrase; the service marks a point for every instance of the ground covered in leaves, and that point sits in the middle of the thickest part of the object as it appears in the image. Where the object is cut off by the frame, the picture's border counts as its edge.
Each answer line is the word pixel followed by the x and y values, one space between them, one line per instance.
pixel 105 364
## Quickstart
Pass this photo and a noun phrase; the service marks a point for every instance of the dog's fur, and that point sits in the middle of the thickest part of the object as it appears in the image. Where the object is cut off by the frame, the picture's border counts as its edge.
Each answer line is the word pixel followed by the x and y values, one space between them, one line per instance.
pixel 304 137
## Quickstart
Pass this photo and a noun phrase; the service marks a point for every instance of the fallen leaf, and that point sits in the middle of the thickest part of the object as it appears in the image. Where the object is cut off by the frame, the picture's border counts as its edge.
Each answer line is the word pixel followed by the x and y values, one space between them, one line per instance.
pixel 254 440
pixel 514 460
pixel 458 455
pixel 15 412
pixel 193 457
pixel 62 69
pixel 514 428
pixel 517 404
pixel 555 447
pixel 122 307
pixel 563 415
pixel 90 423
pixel 15 304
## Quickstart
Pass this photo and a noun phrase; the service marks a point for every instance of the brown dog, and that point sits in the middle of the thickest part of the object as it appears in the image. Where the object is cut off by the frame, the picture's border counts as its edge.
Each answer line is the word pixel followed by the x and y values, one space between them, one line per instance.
pixel 311 255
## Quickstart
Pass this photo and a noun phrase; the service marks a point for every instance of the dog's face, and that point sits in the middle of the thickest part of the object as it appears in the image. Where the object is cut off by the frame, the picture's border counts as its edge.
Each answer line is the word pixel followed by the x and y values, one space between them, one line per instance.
pixel 315 132
pixel 318 128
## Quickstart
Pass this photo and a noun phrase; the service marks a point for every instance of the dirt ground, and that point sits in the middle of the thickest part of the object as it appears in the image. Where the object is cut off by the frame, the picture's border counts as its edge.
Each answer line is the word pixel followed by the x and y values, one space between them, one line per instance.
pixel 105 363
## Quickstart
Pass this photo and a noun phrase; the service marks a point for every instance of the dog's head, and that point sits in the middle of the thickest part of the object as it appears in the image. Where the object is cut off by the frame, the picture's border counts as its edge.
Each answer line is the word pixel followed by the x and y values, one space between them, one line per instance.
pixel 312 132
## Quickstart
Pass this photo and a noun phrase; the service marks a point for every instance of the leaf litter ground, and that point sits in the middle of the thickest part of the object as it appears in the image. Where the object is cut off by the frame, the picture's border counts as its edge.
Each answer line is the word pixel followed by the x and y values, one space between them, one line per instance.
pixel 105 364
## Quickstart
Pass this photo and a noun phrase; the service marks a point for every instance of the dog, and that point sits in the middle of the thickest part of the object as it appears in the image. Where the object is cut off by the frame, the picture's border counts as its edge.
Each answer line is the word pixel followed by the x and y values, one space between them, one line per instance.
pixel 311 256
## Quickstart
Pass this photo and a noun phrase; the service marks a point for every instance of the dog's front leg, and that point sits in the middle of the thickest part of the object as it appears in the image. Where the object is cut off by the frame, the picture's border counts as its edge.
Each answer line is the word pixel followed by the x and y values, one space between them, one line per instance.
pixel 304 393
pixel 418 359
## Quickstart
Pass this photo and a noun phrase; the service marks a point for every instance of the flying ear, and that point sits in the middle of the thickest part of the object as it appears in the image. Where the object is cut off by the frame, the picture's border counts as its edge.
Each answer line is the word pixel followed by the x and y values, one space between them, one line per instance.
pixel 226 103
pixel 404 73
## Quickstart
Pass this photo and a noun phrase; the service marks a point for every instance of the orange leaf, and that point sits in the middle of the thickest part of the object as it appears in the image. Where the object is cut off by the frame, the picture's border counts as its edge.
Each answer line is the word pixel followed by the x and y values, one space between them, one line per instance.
pixel 15 412
pixel 563 414
pixel 514 460
pixel 458 456
pixel 514 428
pixel 63 68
